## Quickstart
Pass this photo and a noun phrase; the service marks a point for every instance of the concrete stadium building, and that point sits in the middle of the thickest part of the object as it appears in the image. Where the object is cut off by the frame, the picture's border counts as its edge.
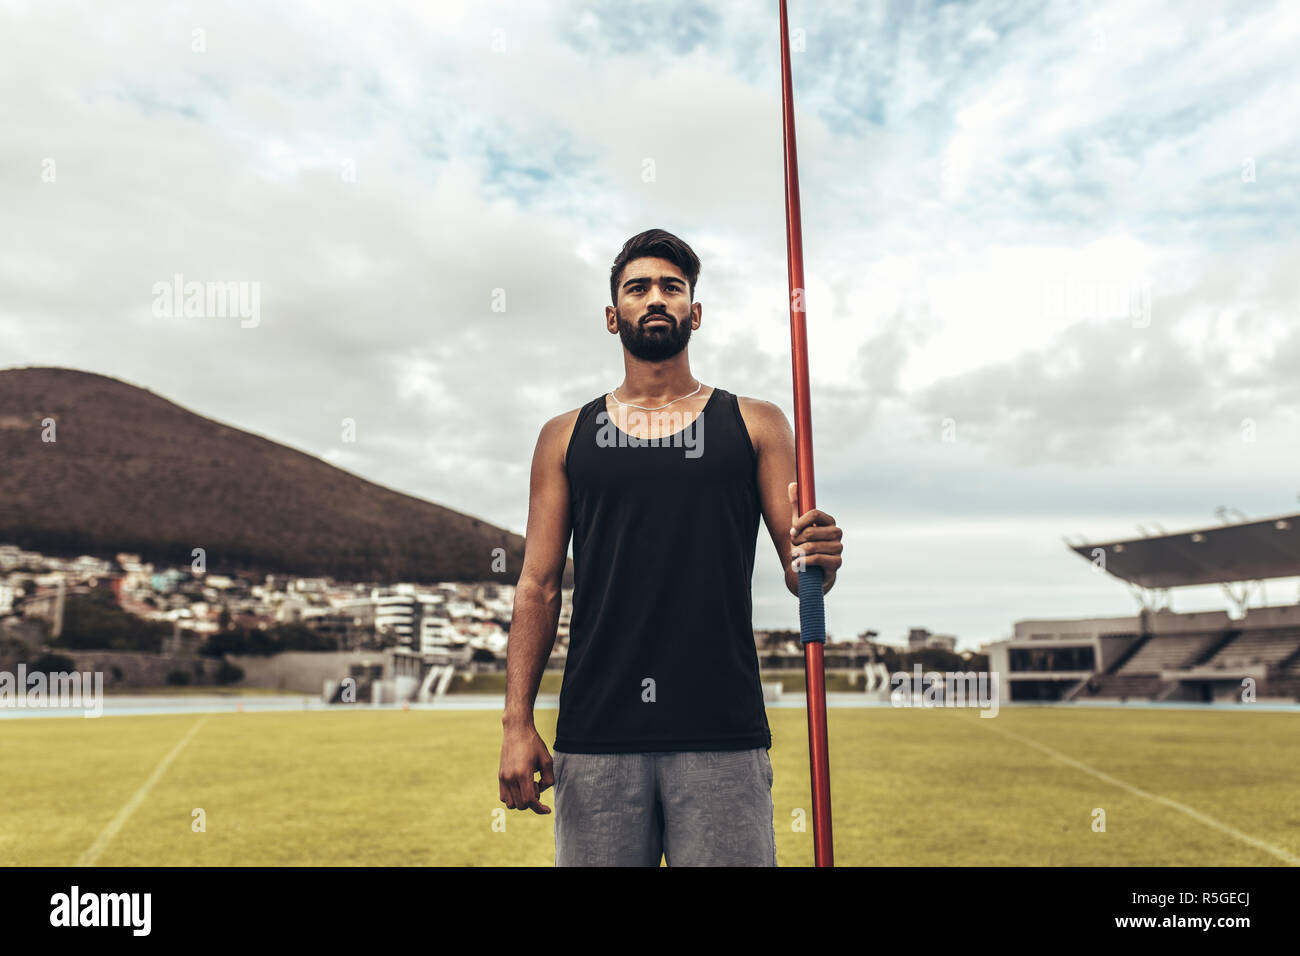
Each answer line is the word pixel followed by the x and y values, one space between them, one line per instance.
pixel 1161 655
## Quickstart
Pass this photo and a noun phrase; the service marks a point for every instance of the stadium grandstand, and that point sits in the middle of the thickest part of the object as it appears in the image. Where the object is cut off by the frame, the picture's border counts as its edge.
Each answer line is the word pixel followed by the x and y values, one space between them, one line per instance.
pixel 1159 654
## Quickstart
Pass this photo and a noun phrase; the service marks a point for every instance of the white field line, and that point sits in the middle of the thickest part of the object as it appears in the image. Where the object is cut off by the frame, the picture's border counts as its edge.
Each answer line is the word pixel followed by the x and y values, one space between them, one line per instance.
pixel 91 855
pixel 1257 843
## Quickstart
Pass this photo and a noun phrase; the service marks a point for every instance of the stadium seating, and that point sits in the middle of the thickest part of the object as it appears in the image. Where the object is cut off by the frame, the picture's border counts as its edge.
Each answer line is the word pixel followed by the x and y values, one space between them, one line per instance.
pixel 1286 687
pixel 1167 652
pixel 1256 649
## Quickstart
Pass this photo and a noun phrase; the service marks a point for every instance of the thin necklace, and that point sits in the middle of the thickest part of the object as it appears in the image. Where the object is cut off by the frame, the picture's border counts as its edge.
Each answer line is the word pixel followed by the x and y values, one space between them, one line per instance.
pixel 643 408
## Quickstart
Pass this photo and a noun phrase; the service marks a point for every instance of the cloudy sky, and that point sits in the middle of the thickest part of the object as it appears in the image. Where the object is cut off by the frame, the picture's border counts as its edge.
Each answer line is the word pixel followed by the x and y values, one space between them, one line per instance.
pixel 1050 248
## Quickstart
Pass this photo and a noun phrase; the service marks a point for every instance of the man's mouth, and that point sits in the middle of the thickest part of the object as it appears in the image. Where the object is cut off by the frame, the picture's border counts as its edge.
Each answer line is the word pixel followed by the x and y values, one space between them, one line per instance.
pixel 657 319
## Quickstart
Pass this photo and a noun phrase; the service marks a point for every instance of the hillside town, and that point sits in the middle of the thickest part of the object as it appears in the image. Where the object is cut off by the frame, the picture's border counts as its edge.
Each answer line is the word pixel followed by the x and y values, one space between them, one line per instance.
pixel 286 632
pixel 353 616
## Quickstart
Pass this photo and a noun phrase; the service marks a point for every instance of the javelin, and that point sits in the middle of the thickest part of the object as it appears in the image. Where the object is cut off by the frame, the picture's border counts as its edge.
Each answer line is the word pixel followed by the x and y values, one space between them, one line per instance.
pixel 812 614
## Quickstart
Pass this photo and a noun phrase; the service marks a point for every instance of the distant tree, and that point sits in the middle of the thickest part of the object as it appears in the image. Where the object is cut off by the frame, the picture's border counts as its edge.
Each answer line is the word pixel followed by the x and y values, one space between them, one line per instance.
pixel 229 673
pixel 892 660
pixel 50 663
pixel 934 659
pixel 178 678
pixel 300 637
pixel 282 637
pixel 929 659
pixel 13 646
pixel 776 639
pixel 239 640
pixel 93 621
pixel 222 643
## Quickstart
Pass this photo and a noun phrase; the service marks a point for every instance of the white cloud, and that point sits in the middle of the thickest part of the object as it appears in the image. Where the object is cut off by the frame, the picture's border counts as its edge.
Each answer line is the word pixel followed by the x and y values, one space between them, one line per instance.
pixel 958 165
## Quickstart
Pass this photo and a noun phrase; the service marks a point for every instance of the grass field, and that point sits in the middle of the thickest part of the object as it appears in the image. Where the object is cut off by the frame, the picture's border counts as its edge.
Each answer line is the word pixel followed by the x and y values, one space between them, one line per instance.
pixel 910 787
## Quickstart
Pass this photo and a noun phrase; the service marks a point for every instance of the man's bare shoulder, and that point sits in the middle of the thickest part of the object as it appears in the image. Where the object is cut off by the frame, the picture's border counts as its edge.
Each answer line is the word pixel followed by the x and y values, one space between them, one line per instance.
pixel 761 417
pixel 760 406
pixel 556 433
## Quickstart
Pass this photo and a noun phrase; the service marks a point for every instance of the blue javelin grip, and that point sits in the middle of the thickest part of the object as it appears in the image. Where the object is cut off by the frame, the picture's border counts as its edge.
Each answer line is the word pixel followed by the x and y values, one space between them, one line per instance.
pixel 812 609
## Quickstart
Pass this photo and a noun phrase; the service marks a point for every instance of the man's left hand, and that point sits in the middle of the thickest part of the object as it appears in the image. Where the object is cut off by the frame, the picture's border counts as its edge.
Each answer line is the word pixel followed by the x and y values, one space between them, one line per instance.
pixel 815 540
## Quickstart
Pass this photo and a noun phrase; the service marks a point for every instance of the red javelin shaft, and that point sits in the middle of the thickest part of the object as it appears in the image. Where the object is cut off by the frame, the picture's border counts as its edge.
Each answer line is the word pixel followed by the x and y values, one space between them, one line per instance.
pixel 811 615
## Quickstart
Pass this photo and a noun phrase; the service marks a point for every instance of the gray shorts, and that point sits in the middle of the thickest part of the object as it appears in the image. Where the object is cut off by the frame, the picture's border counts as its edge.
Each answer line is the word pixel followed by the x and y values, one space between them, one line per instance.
pixel 693 808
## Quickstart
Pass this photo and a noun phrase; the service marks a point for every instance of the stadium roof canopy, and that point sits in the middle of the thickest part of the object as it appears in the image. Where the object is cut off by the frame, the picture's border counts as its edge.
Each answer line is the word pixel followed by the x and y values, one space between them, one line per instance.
pixel 1252 551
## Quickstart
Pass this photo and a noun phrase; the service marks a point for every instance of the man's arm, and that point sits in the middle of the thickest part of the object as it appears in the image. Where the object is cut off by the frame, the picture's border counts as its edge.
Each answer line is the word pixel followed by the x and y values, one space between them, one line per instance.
pixel 534 619
pixel 815 533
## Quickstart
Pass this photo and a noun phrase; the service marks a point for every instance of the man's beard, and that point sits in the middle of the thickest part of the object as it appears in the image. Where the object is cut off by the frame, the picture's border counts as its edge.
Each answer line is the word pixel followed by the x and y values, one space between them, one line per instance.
pixel 654 343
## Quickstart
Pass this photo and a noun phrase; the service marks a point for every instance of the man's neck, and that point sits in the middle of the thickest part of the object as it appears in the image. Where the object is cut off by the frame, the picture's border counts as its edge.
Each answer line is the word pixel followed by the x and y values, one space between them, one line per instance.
pixel 654 383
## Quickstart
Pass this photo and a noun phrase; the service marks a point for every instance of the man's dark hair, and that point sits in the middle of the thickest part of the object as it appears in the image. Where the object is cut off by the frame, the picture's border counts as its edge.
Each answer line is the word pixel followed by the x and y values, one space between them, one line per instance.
pixel 660 245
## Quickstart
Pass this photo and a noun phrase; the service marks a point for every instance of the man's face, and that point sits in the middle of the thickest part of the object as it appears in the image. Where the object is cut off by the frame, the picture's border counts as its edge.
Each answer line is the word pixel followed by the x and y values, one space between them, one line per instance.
pixel 654 312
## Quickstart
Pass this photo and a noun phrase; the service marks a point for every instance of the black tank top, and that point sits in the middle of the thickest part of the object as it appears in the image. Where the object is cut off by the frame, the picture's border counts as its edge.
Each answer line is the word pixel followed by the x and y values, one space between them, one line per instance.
pixel 661 640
